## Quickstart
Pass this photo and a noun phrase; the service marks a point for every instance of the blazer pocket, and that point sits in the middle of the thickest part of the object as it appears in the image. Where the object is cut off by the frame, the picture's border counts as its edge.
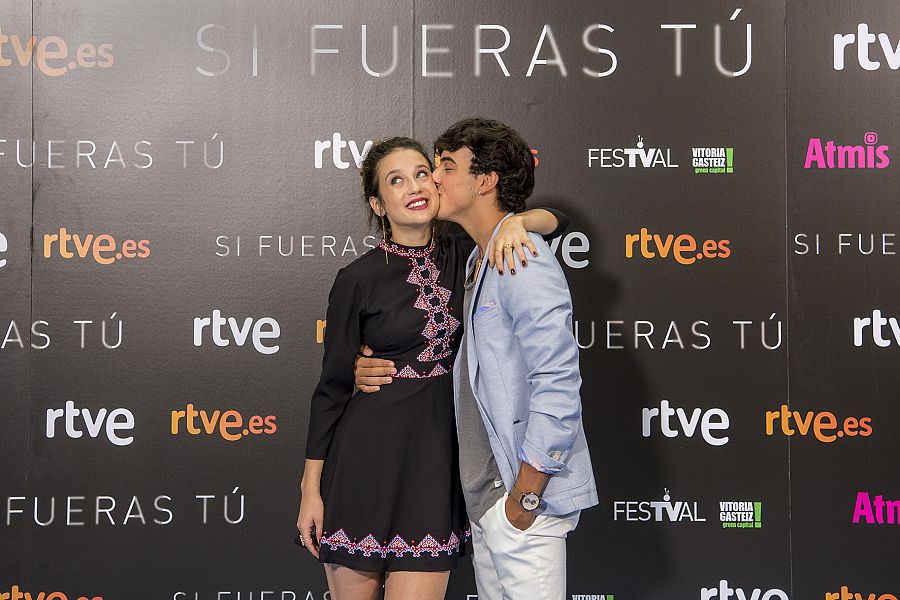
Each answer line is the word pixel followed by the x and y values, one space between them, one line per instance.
pixel 485 312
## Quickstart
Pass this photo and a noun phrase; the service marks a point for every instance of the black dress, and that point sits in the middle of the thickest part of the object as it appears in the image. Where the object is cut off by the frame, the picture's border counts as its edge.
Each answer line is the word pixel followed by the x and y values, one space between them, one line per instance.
pixel 390 483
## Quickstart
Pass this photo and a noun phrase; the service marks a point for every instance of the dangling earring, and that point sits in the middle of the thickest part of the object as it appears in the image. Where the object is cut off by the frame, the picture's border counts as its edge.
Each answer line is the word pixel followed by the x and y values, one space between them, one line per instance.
pixel 384 237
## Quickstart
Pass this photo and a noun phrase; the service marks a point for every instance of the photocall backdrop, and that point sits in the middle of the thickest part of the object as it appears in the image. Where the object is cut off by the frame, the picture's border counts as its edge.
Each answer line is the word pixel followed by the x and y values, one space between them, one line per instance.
pixel 729 174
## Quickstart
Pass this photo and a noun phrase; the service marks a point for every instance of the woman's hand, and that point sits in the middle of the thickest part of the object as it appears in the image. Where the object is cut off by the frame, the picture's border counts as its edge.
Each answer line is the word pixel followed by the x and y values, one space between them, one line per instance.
pixel 511 237
pixel 309 521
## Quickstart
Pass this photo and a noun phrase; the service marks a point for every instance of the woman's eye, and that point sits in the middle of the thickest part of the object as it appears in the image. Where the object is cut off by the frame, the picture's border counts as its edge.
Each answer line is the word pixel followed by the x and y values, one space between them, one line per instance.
pixel 422 172
pixel 396 180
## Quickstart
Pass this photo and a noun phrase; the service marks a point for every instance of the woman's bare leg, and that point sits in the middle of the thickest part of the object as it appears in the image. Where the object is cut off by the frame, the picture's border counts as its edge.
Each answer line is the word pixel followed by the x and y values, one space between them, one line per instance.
pixel 348 584
pixel 403 585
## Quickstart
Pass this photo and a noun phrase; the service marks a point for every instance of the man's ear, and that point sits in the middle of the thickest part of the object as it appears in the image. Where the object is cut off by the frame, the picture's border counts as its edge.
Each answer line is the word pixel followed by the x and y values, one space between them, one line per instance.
pixel 376 205
pixel 489 183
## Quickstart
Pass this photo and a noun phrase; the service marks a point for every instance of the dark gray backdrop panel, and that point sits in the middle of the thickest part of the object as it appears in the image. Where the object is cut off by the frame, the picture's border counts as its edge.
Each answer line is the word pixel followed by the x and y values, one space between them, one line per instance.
pixel 831 288
pixel 15 288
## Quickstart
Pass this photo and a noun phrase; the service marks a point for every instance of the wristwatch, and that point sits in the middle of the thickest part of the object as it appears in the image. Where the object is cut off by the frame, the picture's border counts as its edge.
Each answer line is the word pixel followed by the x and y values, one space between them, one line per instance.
pixel 528 500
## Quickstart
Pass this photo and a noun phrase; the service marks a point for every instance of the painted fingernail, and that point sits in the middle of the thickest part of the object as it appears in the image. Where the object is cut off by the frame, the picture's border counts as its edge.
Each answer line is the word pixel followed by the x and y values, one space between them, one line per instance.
pixel 513 271
pixel 524 264
pixel 534 253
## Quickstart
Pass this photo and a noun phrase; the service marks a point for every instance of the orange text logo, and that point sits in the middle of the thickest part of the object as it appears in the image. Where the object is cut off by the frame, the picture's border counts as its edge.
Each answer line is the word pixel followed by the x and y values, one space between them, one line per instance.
pixel 230 424
pixel 684 248
pixel 825 426
pixel 102 248
pixel 51 55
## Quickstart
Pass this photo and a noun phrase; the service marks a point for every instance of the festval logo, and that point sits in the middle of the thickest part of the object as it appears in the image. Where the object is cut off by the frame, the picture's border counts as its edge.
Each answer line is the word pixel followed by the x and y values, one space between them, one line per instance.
pixel 631 158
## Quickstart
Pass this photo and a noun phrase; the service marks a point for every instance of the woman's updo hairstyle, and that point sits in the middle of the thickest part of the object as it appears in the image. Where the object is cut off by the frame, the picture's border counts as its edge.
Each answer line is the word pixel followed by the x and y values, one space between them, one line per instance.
pixel 369 173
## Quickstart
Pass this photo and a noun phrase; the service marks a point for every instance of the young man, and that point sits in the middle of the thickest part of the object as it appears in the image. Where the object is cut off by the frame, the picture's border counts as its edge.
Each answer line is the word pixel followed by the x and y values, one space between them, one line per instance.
pixel 524 461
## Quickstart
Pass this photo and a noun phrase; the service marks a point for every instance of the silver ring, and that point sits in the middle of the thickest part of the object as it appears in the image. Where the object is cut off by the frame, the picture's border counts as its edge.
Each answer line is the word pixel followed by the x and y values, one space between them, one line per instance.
pixel 302 541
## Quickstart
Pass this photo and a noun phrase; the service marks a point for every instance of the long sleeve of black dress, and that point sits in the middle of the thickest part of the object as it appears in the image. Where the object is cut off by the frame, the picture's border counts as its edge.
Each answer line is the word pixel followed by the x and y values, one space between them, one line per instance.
pixel 343 336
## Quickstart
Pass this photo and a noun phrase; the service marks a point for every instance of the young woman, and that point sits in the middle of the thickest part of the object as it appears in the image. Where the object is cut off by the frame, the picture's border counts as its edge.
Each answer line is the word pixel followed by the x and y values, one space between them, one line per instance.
pixel 381 498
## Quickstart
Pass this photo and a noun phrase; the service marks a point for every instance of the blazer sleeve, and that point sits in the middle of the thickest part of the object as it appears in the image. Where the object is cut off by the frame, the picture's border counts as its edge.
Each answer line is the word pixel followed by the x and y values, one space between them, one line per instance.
pixel 465 244
pixel 343 335
pixel 538 302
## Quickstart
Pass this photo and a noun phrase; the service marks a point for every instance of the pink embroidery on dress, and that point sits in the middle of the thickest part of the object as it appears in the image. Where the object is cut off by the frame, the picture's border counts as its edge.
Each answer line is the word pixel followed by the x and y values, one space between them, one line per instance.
pixel 434 299
pixel 397 546
pixel 408 372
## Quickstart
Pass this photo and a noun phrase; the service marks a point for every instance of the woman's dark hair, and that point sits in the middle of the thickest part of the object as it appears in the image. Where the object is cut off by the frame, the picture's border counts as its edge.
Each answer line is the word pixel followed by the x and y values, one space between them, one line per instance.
pixel 369 172
pixel 495 147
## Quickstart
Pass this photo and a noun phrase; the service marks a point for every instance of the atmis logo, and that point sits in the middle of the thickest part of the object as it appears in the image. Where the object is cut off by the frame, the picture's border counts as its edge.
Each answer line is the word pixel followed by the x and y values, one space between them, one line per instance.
pixel 831 156
pixel 876 512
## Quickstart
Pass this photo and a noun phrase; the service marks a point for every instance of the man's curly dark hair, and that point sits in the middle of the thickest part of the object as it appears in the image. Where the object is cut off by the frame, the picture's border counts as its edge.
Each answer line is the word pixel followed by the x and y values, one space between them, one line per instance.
pixel 495 147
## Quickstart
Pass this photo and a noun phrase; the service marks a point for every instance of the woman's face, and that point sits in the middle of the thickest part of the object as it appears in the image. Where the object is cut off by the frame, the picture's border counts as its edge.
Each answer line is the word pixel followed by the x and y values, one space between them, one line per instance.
pixel 407 191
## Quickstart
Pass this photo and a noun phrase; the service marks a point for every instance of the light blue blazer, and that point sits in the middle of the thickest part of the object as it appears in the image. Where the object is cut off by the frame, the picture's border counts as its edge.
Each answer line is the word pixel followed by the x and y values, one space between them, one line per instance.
pixel 523 369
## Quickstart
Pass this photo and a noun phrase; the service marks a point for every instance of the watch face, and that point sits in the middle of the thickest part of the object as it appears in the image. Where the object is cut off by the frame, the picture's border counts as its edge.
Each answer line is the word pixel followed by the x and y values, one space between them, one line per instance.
pixel 530 501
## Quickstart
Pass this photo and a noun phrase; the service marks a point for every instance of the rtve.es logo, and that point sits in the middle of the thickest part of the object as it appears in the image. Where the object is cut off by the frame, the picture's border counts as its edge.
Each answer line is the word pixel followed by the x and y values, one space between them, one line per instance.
pixel 110 422
pixel 831 156
pixel 230 425
pixel 824 425
pixel 337 146
pixel 102 248
pixel 876 512
pixel 709 421
pixel 684 248
pixel 724 592
pixel 672 512
pixel 55 48
pixel 631 158
pixel 17 593
pixel 258 330
pixel 863 39
pixel 846 594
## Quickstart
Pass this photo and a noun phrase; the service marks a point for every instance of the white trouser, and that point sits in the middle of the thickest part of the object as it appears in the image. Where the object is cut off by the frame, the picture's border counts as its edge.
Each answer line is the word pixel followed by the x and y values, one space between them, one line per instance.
pixel 511 564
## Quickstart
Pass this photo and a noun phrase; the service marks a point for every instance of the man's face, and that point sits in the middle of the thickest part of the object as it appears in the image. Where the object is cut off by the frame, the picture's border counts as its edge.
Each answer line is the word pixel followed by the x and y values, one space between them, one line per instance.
pixel 457 187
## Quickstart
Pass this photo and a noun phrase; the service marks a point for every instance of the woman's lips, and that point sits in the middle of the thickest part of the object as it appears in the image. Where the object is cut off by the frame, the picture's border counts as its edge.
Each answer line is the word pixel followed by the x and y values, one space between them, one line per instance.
pixel 420 203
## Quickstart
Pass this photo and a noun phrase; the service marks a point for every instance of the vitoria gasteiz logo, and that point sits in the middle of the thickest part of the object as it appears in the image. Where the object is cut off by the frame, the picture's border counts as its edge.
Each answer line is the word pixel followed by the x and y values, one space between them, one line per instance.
pixel 712 160
pixel 829 155
pixel 740 514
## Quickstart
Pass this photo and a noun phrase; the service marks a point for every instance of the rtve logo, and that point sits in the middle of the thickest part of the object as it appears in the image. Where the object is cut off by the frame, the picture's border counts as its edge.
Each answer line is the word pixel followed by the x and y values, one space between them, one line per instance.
pixel 115 421
pixel 709 421
pixel 17 593
pixel 102 248
pixel 4 246
pixel 876 323
pixel 258 330
pixel 724 592
pixel 337 146
pixel 863 39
